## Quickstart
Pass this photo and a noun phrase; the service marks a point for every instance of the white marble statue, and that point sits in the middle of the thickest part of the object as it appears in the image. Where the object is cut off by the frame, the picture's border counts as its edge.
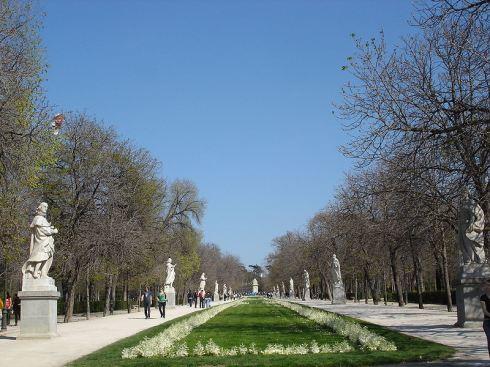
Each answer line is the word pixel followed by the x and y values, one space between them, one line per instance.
pixel 224 290
pixel 283 289
pixel 306 277
pixel 202 283
pixel 41 246
pixel 216 287
pixel 255 286
pixel 336 275
pixel 291 288
pixel 471 222
pixel 169 280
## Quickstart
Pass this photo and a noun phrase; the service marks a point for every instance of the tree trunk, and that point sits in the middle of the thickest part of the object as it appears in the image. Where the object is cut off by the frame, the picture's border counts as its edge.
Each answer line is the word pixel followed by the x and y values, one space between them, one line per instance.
pixel 70 296
pixel 417 268
pixel 113 294
pixel 108 285
pixel 356 298
pixel 366 293
pixel 396 277
pixel 70 302
pixel 87 289
pixel 139 299
pixel 447 284
pixel 385 293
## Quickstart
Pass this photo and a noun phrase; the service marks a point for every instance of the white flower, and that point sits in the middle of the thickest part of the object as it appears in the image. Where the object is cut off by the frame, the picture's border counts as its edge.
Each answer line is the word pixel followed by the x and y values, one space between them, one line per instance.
pixel 198 349
pixel 162 343
pixel 314 348
pixel 355 332
pixel 212 348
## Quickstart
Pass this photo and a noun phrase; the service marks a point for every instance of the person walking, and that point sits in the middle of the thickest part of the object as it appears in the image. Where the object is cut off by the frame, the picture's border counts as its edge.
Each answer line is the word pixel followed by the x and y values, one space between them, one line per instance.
pixel 485 305
pixel 16 308
pixel 8 307
pixel 201 299
pixel 146 297
pixel 162 302
pixel 196 297
pixel 189 298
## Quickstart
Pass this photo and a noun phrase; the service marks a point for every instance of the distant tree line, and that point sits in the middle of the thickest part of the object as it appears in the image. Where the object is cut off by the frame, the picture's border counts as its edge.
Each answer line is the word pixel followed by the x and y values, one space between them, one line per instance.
pixel 419 117
pixel 119 220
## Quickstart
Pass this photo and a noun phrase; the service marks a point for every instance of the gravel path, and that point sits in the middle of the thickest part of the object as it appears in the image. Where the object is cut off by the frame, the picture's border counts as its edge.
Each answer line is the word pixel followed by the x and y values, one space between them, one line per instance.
pixel 433 323
pixel 79 338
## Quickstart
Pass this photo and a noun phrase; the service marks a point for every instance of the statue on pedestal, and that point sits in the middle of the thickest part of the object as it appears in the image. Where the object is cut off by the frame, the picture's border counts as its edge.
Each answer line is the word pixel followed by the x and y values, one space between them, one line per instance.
pixel 283 289
pixel 169 280
pixel 255 286
pixel 471 222
pixel 291 288
pixel 216 287
pixel 202 283
pixel 39 294
pixel 474 268
pixel 306 277
pixel 224 291
pixel 336 275
pixel 338 290
pixel 41 246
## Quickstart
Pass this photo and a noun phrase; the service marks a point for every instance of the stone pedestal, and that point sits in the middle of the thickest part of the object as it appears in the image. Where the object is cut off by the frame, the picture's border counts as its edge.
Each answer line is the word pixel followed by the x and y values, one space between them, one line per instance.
pixel 338 295
pixel 170 292
pixel 39 318
pixel 468 292
pixel 307 294
pixel 255 288
pixel 216 297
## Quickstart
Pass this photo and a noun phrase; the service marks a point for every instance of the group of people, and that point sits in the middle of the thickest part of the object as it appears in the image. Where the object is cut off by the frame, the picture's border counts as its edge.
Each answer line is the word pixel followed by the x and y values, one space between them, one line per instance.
pixel 204 298
pixel 12 307
pixel 147 299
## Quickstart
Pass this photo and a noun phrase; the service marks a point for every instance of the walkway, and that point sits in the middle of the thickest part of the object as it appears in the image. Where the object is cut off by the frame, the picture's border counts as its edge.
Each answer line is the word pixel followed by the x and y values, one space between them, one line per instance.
pixel 78 338
pixel 433 323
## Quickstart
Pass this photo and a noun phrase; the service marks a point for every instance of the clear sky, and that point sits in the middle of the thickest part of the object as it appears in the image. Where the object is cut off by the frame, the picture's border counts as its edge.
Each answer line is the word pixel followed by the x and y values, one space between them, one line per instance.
pixel 235 95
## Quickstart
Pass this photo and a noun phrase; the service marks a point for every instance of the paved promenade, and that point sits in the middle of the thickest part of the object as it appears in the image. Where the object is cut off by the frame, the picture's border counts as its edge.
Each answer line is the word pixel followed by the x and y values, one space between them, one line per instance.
pixel 433 323
pixel 79 338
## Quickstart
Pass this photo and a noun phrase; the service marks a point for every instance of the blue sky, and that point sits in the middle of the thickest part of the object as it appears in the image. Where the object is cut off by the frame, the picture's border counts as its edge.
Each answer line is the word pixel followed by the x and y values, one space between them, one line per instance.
pixel 233 95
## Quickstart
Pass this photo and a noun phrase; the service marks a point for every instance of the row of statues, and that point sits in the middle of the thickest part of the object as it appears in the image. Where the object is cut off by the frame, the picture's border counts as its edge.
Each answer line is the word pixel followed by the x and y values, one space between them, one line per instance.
pixel 471 224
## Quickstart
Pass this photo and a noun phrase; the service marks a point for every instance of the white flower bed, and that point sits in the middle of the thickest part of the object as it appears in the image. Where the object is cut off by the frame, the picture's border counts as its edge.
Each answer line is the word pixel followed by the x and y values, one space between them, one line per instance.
pixel 213 349
pixel 162 344
pixel 355 332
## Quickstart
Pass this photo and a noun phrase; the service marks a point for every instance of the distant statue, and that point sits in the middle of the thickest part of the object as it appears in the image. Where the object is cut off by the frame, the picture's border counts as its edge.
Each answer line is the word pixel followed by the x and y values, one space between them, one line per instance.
pixel 255 286
pixel 202 283
pixel 306 277
pixel 41 247
pixel 291 287
pixel 283 289
pixel 336 276
pixel 471 222
pixel 169 281
pixel 216 286
pixel 224 289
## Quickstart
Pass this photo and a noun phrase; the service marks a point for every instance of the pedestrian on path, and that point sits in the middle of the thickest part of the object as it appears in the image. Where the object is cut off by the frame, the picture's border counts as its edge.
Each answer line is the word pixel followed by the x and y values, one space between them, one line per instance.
pixel 201 299
pixel 8 307
pixel 485 305
pixel 146 297
pixel 16 308
pixel 190 298
pixel 196 297
pixel 162 302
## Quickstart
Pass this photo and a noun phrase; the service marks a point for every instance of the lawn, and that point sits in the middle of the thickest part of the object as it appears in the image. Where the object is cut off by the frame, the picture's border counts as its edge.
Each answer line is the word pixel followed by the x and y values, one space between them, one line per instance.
pixel 264 323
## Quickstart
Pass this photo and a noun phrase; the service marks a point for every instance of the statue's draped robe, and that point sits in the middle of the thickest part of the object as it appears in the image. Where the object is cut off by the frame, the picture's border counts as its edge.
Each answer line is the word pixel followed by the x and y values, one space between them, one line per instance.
pixel 470 233
pixel 170 275
pixel 337 278
pixel 42 244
